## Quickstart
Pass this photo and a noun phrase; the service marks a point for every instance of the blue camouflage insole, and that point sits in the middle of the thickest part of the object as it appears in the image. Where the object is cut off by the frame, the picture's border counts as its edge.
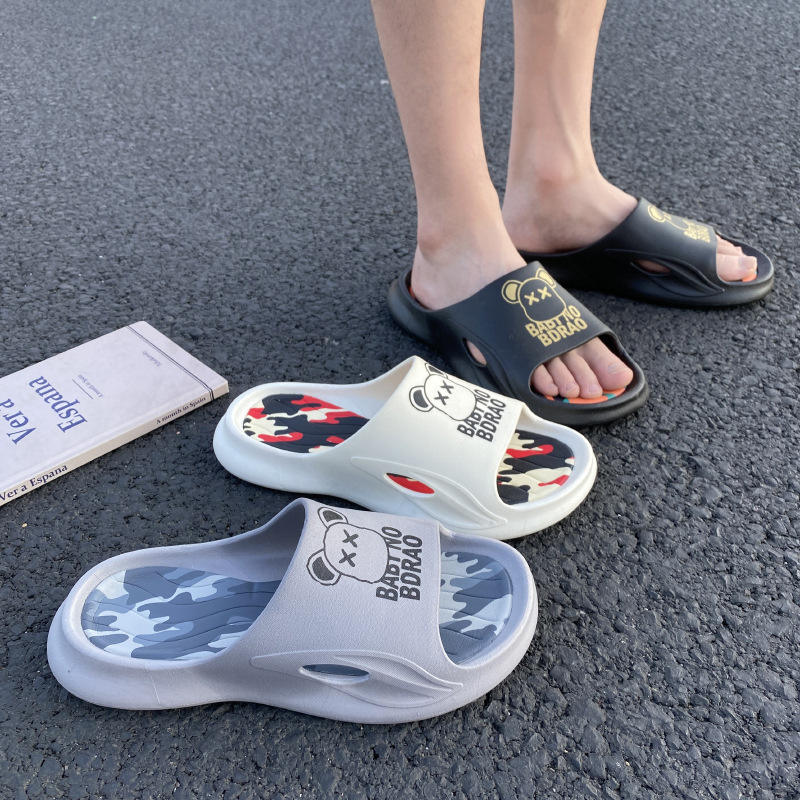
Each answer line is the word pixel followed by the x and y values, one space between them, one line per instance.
pixel 174 613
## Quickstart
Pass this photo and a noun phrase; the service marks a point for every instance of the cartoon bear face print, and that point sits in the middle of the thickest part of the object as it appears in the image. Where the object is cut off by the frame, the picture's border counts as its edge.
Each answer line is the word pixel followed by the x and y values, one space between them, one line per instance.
pixel 443 392
pixel 688 227
pixel 537 295
pixel 348 550
pixel 657 214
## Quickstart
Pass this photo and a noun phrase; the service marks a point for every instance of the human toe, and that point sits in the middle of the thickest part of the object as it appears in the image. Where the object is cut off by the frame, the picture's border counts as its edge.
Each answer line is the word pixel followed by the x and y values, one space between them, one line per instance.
pixel 611 371
pixel 724 247
pixel 733 264
pixel 736 267
pixel 583 374
pixel 559 375
pixel 543 382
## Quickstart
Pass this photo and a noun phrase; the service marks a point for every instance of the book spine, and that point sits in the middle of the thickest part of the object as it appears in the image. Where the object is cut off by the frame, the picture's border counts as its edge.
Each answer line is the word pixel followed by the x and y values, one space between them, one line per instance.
pixel 58 469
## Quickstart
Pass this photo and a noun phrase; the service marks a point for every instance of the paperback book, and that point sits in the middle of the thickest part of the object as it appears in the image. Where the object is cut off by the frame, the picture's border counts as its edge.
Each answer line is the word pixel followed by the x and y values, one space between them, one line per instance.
pixel 69 409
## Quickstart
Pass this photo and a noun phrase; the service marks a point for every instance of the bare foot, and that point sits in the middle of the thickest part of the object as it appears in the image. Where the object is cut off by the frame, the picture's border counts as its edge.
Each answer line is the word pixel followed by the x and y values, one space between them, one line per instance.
pixel 441 277
pixel 574 214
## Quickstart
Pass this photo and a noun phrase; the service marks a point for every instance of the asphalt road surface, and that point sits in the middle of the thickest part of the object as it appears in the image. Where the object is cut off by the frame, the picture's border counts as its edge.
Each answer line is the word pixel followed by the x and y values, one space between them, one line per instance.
pixel 234 173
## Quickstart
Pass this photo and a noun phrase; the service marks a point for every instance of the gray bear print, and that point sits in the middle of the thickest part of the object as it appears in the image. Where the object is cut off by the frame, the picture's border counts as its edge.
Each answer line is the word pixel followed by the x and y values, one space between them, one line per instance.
pixel 443 392
pixel 348 550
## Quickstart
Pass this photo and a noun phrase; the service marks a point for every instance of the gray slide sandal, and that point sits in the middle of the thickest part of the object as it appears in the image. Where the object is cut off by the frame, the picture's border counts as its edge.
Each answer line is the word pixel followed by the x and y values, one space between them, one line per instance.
pixel 344 614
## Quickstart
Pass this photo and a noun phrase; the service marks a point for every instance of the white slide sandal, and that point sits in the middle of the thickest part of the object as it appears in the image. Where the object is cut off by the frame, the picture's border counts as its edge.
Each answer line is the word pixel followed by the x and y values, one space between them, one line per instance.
pixel 415 442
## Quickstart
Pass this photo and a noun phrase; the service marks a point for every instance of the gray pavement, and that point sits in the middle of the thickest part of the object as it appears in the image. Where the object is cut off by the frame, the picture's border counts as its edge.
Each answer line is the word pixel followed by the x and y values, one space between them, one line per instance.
pixel 234 173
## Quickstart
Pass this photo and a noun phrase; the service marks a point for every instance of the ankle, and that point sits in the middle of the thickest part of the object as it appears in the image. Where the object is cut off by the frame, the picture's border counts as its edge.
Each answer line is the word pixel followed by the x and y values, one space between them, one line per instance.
pixel 446 271
pixel 548 215
pixel 551 190
pixel 449 219
pixel 552 162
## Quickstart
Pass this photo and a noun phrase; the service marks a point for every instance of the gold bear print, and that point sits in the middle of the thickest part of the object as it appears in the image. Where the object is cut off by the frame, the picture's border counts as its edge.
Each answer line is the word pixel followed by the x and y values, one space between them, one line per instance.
pixel 694 230
pixel 551 319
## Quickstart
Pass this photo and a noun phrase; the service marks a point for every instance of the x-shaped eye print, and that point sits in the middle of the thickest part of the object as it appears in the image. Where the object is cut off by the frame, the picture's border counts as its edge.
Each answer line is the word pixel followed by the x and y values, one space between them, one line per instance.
pixel 350 538
pixel 532 298
pixel 348 558
pixel 446 387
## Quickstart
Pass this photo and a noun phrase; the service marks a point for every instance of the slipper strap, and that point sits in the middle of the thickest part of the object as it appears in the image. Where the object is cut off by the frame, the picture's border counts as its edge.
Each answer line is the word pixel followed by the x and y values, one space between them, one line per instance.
pixel 685 247
pixel 517 322
pixel 441 441
pixel 358 584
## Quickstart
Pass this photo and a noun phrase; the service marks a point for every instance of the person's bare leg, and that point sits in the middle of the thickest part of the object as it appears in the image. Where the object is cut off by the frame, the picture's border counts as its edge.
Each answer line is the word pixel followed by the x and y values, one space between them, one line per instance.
pixel 556 198
pixel 432 53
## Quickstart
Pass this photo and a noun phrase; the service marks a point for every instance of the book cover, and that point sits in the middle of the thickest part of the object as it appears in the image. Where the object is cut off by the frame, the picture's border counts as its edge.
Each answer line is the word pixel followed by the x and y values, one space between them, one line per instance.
pixel 69 409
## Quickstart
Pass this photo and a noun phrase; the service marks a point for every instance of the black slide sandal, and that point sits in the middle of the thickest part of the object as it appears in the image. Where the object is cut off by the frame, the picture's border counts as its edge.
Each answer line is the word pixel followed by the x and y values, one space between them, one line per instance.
pixel 518 322
pixel 686 248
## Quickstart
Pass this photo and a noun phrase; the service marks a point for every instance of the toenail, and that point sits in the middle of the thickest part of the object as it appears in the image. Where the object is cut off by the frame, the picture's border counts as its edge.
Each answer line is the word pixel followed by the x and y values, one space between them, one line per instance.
pixel 615 367
pixel 593 389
